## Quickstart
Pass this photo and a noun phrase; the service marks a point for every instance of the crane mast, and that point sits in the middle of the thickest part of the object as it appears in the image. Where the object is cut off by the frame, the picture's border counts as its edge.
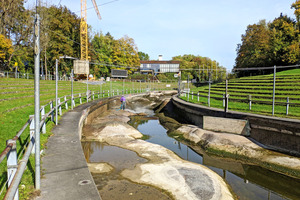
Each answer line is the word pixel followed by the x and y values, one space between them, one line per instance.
pixel 83 32
pixel 83 29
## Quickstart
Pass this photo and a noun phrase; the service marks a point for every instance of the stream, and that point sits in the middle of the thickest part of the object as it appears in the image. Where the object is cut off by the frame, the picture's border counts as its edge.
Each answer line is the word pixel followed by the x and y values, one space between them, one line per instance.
pixel 248 182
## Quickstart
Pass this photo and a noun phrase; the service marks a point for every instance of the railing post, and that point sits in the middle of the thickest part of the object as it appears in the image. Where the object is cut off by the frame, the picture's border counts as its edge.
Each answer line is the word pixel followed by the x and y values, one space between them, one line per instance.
pixel 198 96
pixel 32 131
pixel 43 115
pixel 80 101
pixel 226 102
pixel 223 100
pixel 12 164
pixel 72 102
pixel 287 105
pixel 59 106
pixel 52 113
pixel 192 95
pixel 66 103
pixel 274 83
pixel 250 102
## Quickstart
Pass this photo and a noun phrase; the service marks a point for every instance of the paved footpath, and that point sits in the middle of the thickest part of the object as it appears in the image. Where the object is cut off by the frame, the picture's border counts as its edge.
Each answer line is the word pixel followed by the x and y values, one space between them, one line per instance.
pixel 65 172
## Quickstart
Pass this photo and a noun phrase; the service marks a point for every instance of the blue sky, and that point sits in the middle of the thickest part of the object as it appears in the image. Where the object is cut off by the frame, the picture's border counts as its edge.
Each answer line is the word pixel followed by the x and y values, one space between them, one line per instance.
pixel 173 27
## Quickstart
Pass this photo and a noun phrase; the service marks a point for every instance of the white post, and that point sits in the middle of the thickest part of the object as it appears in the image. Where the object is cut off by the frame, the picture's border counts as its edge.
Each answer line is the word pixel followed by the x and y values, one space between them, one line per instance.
pixel 58 104
pixel 66 103
pixel 43 115
pixel 80 101
pixel 32 131
pixel 51 108
pixel 12 164
pixel 287 105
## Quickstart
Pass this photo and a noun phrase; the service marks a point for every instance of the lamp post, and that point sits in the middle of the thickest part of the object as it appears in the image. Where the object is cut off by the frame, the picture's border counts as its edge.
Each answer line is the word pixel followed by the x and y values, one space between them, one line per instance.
pixel 56 83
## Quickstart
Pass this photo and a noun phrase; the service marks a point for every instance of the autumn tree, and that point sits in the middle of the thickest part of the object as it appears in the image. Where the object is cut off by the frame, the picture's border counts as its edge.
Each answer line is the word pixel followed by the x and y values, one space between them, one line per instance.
pixel 6 49
pixel 255 47
pixel 200 68
pixel 284 41
pixel 16 24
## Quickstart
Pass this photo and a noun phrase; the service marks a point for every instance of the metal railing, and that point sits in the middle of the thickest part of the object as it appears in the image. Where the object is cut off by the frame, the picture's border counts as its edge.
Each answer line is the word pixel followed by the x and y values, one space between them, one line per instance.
pixel 15 168
pixel 225 99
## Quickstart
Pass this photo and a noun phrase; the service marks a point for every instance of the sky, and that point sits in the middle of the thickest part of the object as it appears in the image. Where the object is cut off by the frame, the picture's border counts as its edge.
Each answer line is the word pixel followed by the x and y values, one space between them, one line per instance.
pixel 177 27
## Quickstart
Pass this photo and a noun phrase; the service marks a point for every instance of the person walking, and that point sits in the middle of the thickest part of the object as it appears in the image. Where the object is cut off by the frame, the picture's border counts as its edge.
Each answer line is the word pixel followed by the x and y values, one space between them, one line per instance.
pixel 123 102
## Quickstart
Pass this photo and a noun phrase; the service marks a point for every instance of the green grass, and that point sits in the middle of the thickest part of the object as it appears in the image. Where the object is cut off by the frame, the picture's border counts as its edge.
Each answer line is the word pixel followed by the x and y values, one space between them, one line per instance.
pixel 261 89
pixel 17 103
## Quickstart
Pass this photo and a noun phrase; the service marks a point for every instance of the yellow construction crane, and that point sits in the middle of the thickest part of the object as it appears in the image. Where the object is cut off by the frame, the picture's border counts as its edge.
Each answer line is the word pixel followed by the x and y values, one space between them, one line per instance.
pixel 83 29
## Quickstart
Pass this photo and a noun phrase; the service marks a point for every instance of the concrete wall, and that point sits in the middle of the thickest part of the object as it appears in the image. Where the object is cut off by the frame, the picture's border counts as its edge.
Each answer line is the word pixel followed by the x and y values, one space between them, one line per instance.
pixel 280 134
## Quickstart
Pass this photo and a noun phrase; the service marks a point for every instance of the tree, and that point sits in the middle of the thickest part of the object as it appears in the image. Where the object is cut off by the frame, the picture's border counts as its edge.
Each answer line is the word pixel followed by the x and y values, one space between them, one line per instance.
pixel 6 49
pixel 200 68
pixel 254 50
pixel 296 6
pixel 16 24
pixel 125 53
pixel 284 41
pixel 64 36
pixel 143 56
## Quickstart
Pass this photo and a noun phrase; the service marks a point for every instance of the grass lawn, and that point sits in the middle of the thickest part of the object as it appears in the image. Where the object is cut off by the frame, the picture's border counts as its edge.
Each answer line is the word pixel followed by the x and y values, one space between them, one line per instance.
pixel 17 103
pixel 261 90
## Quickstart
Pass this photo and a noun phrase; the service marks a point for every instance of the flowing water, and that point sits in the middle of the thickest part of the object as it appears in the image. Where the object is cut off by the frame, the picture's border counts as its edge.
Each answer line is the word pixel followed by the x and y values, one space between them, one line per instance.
pixel 248 182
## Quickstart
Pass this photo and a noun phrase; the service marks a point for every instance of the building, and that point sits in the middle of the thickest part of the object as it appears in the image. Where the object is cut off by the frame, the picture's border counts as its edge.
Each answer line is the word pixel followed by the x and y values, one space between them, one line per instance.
pixel 159 66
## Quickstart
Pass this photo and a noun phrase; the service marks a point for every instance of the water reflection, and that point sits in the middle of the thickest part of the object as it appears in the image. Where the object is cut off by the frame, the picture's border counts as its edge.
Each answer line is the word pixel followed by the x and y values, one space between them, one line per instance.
pixel 247 181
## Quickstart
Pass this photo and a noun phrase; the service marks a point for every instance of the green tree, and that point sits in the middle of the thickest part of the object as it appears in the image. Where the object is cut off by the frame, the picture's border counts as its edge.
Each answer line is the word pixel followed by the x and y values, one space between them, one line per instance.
pixel 254 49
pixel 200 68
pixel 143 56
pixel 64 36
pixel 284 41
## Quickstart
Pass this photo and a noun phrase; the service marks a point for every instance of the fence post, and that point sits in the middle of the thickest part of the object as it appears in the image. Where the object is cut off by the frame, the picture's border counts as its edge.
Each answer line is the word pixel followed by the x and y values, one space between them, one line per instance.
pixel 59 106
pixel 198 96
pixel 73 102
pixel 66 102
pixel 226 102
pixel 108 94
pixel 274 82
pixel 93 95
pixel 287 105
pixel 118 92
pixel 223 100
pixel 192 95
pixel 43 115
pixel 80 101
pixel 113 93
pixel 52 112
pixel 32 131
pixel 250 102
pixel 12 164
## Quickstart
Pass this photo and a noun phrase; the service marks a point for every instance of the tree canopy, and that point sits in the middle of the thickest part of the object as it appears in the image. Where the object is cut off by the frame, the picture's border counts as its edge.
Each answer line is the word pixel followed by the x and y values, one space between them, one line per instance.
pixel 197 67
pixel 59 35
pixel 268 44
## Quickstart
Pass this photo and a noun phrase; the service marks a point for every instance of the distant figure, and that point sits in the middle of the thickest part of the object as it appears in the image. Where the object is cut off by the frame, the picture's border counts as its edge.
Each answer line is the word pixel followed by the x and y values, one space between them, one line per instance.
pixel 123 102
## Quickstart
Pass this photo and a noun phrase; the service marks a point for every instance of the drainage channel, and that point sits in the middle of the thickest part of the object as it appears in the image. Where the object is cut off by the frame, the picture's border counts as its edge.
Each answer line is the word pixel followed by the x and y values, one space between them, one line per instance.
pixel 247 181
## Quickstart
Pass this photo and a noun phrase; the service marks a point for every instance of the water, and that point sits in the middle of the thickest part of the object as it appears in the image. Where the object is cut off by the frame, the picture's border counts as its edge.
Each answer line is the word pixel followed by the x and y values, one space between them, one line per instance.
pixel 247 181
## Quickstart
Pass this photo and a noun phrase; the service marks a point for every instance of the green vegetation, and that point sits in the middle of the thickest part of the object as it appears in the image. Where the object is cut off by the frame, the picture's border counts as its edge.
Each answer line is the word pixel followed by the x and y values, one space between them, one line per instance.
pixel 261 90
pixel 268 44
pixel 17 103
